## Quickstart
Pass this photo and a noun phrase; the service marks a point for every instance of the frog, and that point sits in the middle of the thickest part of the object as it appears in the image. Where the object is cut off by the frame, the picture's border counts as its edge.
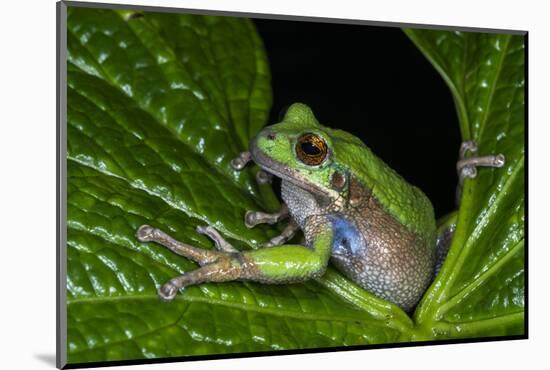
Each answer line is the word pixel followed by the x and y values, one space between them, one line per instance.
pixel 355 212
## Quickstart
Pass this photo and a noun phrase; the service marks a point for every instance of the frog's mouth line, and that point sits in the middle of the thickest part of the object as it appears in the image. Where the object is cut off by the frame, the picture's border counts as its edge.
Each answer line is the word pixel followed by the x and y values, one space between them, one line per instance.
pixel 278 169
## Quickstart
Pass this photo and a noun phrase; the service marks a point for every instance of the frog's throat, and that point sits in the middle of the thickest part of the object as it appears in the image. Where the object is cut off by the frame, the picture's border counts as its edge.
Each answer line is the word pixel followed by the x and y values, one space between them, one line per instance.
pixel 278 169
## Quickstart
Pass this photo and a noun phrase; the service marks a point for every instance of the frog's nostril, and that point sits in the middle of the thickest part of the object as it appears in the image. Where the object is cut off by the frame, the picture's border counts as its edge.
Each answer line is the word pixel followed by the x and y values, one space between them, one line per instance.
pixel 270 136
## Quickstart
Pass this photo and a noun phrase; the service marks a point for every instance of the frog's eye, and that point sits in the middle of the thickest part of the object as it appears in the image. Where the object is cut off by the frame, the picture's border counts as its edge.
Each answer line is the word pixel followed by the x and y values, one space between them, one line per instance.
pixel 311 149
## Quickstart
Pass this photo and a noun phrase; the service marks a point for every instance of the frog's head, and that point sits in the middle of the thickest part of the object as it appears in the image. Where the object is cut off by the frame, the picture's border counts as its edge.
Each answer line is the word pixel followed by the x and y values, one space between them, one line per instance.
pixel 302 151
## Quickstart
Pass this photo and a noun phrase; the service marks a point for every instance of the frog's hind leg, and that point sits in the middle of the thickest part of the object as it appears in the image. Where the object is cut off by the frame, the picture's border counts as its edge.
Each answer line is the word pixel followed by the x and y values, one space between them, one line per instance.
pixel 281 264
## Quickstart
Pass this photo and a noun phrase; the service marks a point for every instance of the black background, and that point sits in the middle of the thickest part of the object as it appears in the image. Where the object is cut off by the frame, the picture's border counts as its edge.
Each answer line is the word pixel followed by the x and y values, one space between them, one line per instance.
pixel 372 82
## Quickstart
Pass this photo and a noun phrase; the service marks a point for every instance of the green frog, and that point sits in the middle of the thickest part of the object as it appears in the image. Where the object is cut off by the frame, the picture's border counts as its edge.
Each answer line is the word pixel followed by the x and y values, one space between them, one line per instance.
pixel 354 211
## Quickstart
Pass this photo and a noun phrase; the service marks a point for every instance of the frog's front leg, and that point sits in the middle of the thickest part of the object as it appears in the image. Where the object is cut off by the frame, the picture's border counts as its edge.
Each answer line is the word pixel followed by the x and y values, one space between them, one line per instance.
pixel 239 163
pixel 253 218
pixel 282 264
pixel 288 233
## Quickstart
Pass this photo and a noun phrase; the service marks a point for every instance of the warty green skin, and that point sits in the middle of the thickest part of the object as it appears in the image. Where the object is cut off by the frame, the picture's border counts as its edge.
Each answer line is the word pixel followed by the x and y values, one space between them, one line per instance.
pixel 394 220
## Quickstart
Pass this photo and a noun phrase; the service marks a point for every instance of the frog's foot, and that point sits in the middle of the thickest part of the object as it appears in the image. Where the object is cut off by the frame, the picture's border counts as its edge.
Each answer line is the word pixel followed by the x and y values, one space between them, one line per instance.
pixel 220 265
pixel 253 218
pixel 467 166
pixel 288 233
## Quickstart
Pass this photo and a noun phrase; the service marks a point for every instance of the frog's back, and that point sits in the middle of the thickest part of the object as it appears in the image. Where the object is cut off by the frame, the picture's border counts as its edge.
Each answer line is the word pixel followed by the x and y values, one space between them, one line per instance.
pixel 395 256
pixel 408 204
pixel 379 253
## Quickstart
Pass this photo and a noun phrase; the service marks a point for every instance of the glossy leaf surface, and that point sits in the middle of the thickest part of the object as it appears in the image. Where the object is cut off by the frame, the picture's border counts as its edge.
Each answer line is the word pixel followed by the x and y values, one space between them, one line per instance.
pixel 480 290
pixel 159 104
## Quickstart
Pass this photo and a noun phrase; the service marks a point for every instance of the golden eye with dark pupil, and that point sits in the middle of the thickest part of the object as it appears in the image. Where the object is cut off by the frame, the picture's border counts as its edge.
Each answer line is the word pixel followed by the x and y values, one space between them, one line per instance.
pixel 311 149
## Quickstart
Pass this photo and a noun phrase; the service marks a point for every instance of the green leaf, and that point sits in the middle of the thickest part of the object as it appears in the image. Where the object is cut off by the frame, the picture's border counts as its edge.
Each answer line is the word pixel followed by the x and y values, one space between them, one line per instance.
pixel 480 290
pixel 158 105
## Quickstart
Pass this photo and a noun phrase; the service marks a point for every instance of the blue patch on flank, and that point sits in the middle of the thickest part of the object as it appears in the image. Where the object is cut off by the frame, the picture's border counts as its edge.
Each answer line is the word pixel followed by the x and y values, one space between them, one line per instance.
pixel 347 239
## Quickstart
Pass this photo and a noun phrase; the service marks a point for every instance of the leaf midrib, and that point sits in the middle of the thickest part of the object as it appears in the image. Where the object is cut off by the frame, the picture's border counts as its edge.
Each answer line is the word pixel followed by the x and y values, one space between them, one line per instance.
pixel 277 312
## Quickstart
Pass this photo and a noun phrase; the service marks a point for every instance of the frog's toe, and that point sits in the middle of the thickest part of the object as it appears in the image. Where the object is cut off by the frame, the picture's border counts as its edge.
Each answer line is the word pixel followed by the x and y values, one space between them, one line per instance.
pixel 467 146
pixel 203 229
pixel 250 219
pixel 263 177
pixel 168 291
pixel 241 161
pixel 213 234
pixel 145 233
